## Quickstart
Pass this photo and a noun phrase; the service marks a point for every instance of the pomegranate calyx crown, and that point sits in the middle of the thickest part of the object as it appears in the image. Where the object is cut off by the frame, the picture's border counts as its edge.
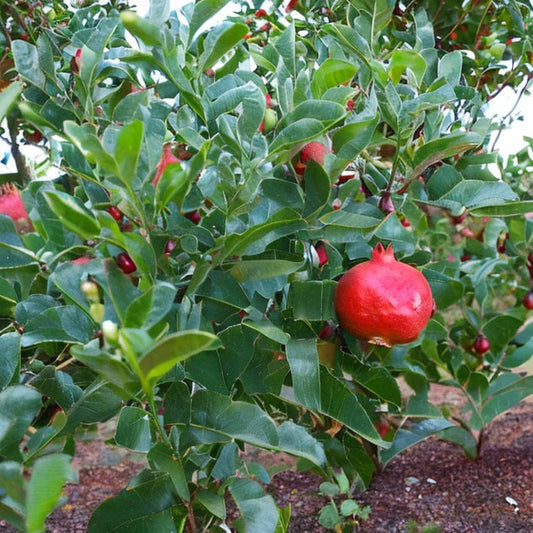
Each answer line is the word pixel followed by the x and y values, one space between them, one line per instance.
pixel 380 253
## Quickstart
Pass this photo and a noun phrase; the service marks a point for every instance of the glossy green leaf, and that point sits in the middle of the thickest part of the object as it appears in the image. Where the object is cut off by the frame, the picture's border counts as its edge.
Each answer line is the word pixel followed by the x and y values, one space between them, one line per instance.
pixel 342 404
pixel 202 12
pixel 12 481
pixel 298 132
pixel 234 419
pixel 48 476
pixel 312 300
pixel 62 324
pixel 331 73
pixel 439 149
pixel 9 97
pixel 26 58
pixel 509 209
pixel 405 438
pixel 500 330
pixel 147 506
pixel 302 356
pixel 164 459
pixel 141 28
pixel 220 40
pixel 174 349
pixel 8 298
pixel 325 111
pixel 446 291
pixel 134 429
pixel 506 397
pixel 18 406
pixel 407 60
pixel 73 214
pixel 380 11
pixel 519 356
pixel 351 40
pixel 10 358
pixel 151 307
pixel 255 239
pixel 257 507
pixel 58 386
pixel 462 437
pixel 112 368
pixel 297 441
pixel 127 150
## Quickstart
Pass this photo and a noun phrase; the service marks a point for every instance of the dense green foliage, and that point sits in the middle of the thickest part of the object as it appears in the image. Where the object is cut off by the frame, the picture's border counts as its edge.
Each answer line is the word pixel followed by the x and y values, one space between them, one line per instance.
pixel 201 313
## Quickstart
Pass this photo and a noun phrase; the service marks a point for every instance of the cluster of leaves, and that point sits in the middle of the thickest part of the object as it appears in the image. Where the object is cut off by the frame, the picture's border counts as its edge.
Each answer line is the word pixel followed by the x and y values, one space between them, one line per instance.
pixel 190 294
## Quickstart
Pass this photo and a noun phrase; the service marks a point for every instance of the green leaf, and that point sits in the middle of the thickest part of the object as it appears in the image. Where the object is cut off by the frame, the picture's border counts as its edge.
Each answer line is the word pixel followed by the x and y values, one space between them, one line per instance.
pixel 446 291
pixel 8 298
pixel 146 506
pixel 202 12
pixel 325 111
pixel 257 507
pixel 380 11
pixel 12 481
pixel 219 41
pixel 143 29
pixel 342 404
pixel 111 368
pixel 506 397
pixel 10 358
pixel 61 324
pixel 450 67
pixel 462 437
pixel 259 269
pixel 128 149
pixel 26 58
pixel 317 189
pixel 312 300
pixel 18 406
pixel 173 185
pixel 405 438
pixel 508 209
pixel 9 97
pixel 151 307
pixel 331 73
pixel 254 240
pixel 296 440
pixel 57 385
pixel 500 330
pixel 298 132
pixel 133 429
pixel 519 356
pixel 407 60
pixel 439 149
pixel 73 214
pixel 351 40
pixel 163 458
pixel 48 476
pixel 302 356
pixel 234 419
pixel 174 349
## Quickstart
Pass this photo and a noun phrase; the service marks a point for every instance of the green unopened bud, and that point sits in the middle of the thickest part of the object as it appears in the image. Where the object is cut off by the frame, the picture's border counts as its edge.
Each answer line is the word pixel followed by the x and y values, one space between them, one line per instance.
pixel 90 291
pixel 97 312
pixel 110 332
pixel 271 117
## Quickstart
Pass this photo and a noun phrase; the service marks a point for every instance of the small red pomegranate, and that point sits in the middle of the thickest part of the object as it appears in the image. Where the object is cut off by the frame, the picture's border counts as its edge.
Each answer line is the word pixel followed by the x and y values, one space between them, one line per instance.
pixel 167 157
pixel 321 253
pixel 383 301
pixel 481 344
pixel 527 302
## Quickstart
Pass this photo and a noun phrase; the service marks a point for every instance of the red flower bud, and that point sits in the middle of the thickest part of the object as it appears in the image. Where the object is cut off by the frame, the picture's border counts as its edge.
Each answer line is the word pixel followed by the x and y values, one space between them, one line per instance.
pixel 125 263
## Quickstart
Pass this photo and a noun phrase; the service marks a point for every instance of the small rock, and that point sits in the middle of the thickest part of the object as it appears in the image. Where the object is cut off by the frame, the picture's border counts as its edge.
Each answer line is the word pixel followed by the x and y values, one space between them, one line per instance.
pixel 431 481
pixel 411 480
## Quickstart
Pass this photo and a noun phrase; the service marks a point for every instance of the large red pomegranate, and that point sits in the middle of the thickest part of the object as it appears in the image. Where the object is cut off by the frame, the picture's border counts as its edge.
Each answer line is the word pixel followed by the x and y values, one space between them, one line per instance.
pixel 383 301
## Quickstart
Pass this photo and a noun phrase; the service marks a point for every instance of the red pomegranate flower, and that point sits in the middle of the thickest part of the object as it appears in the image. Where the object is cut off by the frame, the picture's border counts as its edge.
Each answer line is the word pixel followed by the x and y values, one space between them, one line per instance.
pixel 12 206
pixel 167 157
